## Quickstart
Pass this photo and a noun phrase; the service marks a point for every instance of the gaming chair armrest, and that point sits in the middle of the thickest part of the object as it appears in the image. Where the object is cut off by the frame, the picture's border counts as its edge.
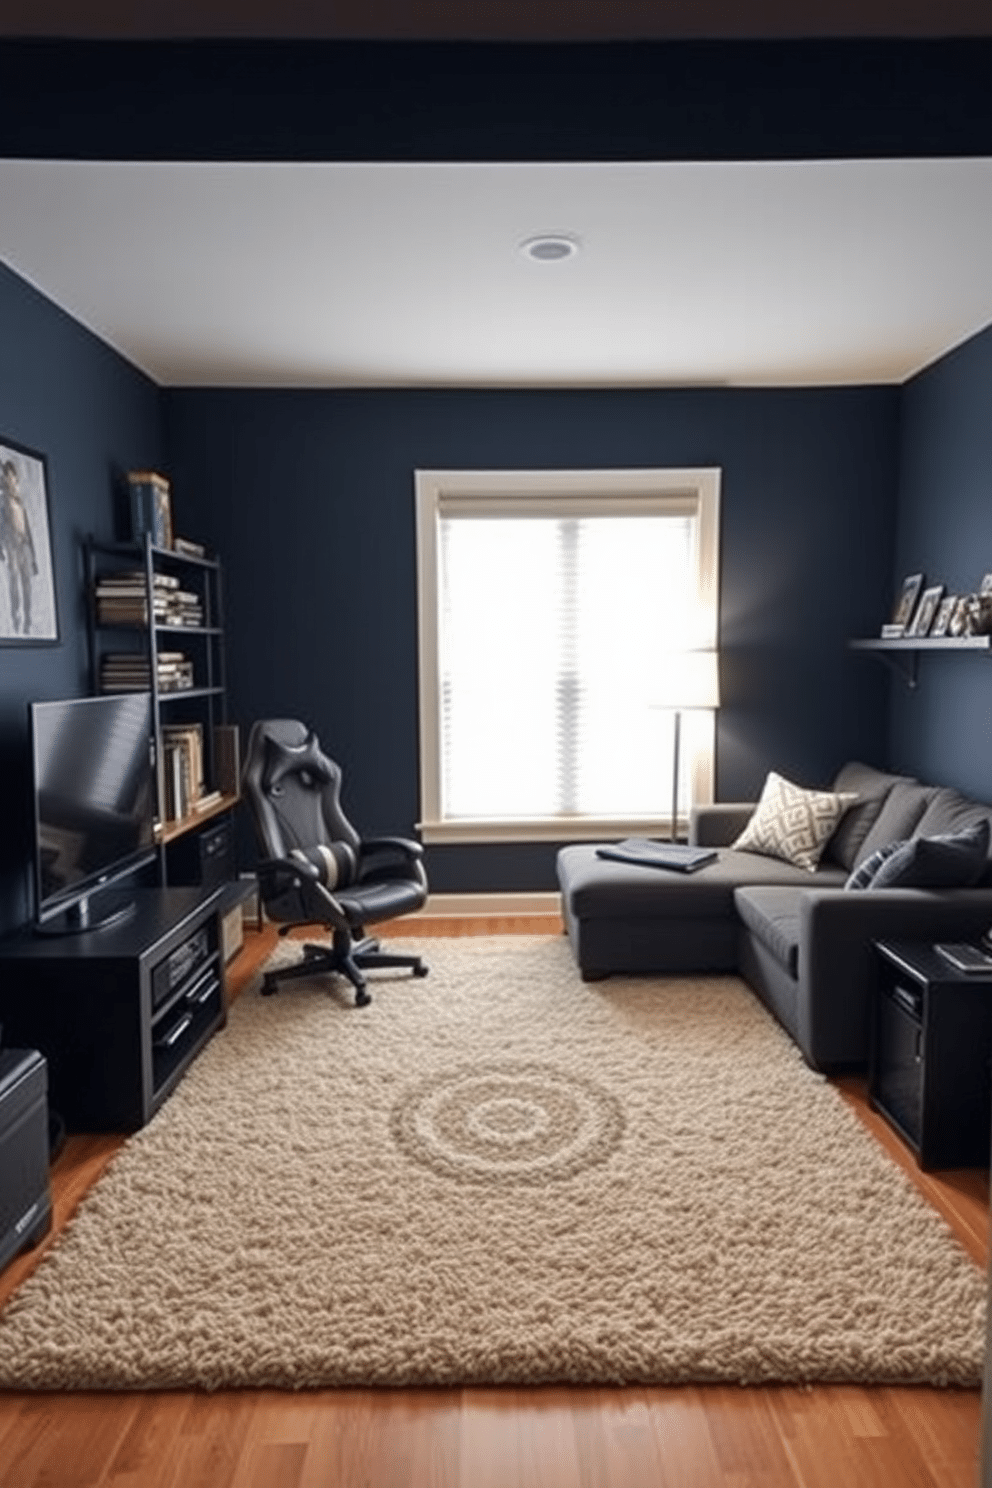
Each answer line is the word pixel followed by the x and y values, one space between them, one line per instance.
pixel 403 845
pixel 278 875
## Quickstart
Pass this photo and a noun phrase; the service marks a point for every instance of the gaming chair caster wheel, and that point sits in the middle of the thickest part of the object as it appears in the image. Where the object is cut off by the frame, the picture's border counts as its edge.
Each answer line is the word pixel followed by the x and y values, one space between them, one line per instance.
pixel 362 998
pixel 269 986
pixel 421 970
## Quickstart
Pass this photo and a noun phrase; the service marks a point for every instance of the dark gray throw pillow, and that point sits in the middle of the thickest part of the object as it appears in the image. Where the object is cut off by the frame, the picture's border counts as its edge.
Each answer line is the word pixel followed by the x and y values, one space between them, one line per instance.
pixel 955 860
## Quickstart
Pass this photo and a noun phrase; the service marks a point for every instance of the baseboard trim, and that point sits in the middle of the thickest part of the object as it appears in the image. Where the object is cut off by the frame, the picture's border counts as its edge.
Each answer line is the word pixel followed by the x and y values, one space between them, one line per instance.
pixel 492 904
pixel 453 905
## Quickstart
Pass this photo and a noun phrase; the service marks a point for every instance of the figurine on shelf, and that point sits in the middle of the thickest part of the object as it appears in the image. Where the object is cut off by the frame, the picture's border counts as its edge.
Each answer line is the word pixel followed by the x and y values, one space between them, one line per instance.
pixel 972 616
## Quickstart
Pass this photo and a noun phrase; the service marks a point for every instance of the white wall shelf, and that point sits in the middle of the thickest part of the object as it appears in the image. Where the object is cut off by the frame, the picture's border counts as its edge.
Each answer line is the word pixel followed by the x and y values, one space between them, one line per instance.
pixel 911 646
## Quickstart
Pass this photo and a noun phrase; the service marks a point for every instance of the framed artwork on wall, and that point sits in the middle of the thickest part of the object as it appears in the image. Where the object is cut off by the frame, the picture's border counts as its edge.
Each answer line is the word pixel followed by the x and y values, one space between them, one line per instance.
pixel 28 611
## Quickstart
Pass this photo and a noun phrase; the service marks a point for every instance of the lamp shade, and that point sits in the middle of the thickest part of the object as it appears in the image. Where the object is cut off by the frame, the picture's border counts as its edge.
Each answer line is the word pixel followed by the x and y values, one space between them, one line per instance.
pixel 687 679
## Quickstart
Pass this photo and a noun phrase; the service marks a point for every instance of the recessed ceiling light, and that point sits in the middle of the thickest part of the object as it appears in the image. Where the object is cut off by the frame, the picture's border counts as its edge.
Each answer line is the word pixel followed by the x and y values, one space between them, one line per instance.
pixel 550 247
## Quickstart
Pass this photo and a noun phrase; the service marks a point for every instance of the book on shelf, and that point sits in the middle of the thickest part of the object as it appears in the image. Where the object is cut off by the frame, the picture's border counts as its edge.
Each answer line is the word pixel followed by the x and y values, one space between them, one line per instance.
pixel 178 783
pixel 188 737
pixel 122 599
pixel 133 613
pixel 188 548
pixel 183 772
pixel 133 581
pixel 227 758
pixel 184 608
pixel 151 507
pixel 204 802
pixel 129 671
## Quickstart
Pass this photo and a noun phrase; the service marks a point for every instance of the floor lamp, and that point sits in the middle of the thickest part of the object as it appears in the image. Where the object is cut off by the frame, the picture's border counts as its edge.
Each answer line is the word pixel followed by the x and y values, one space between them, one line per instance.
pixel 691 680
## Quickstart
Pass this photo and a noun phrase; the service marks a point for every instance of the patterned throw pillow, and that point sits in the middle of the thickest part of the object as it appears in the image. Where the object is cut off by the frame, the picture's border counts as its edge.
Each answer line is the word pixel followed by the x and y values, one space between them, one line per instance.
pixel 792 823
pixel 864 874
pixel 336 863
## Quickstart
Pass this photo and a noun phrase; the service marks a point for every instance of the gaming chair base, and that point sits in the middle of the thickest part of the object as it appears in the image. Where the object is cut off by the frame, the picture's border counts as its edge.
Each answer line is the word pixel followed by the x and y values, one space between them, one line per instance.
pixel 346 957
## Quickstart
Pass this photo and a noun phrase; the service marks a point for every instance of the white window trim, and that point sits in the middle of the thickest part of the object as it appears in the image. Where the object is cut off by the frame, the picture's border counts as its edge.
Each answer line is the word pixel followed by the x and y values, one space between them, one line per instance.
pixel 630 490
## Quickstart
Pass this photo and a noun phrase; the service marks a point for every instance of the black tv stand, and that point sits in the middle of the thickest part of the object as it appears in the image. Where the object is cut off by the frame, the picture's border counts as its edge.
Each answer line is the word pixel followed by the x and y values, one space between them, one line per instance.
pixel 119 1014
pixel 99 911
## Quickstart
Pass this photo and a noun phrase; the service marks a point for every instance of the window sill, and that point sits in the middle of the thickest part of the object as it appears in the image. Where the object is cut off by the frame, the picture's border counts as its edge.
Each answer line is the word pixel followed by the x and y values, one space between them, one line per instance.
pixel 561 829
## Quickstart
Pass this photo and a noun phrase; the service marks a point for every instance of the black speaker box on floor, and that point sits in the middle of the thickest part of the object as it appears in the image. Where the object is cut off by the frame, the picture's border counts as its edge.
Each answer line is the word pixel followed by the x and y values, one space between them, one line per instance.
pixel 25 1197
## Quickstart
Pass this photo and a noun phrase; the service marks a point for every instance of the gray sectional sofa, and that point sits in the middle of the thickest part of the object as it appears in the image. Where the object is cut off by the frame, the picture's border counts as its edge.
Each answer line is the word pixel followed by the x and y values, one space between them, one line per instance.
pixel 802 940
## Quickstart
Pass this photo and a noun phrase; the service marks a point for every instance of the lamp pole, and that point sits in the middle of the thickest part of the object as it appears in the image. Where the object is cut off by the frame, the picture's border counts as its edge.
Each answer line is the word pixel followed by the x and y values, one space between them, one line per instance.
pixel 676 742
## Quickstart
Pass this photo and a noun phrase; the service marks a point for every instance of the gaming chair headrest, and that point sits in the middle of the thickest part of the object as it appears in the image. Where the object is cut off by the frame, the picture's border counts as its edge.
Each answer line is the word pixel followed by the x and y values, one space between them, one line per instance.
pixel 305 760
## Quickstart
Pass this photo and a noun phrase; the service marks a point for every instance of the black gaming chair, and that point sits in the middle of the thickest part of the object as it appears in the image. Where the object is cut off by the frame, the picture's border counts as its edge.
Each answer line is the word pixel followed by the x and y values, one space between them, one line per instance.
pixel 316 869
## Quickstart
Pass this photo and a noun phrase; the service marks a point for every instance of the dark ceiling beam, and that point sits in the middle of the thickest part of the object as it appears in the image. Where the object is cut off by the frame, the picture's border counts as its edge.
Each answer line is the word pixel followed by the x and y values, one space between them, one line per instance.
pixel 367 101
pixel 495 20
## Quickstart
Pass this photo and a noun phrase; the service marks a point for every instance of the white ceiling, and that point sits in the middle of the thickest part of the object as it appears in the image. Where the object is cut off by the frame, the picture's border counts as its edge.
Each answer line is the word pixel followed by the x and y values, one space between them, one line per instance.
pixel 374 275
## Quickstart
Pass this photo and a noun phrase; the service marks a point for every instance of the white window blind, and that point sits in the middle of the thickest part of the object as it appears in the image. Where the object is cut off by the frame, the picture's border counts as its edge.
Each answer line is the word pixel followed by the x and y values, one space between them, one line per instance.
pixel 553 607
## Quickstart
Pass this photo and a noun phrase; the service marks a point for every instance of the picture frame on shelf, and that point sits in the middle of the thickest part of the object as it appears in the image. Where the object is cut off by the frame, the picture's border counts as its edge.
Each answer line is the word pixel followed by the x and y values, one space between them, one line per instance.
pixel 942 619
pixel 905 605
pixel 923 616
pixel 28 608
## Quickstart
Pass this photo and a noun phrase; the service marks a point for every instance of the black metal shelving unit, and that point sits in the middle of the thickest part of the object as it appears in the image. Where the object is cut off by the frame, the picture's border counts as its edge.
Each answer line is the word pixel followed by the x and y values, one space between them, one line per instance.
pixel 205 702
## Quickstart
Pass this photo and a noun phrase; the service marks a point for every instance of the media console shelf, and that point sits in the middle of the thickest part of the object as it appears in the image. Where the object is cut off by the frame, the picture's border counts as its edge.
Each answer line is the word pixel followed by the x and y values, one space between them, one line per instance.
pixel 119 1013
pixel 911 646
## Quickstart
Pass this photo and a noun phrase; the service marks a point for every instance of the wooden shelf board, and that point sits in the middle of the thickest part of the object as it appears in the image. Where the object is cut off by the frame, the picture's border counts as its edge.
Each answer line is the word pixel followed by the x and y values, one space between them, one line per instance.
pixel 169 831
pixel 173 694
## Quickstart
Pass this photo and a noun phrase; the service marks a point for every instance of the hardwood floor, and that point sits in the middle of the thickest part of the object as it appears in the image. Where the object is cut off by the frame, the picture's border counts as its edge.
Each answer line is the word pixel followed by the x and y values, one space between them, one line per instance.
pixel 705 1437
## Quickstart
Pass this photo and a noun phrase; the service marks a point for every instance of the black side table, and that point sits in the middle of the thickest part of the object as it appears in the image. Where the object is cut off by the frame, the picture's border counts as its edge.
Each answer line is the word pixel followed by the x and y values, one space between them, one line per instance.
pixel 931 1055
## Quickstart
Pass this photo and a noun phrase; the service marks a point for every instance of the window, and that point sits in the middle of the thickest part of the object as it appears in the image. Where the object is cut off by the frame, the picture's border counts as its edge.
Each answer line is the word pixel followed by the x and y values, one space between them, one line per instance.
pixel 556 610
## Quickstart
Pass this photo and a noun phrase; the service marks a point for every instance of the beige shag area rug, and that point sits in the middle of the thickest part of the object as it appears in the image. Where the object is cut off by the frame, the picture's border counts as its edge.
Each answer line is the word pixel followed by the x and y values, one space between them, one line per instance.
pixel 499 1175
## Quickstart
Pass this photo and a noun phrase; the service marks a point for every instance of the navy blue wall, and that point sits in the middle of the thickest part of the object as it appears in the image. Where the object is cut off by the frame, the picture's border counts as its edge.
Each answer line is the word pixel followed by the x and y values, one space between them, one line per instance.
pixel 309 496
pixel 943 730
pixel 68 396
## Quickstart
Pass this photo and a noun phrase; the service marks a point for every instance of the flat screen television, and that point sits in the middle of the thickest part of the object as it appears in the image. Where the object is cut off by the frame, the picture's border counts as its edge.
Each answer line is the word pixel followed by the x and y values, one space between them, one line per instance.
pixel 94 807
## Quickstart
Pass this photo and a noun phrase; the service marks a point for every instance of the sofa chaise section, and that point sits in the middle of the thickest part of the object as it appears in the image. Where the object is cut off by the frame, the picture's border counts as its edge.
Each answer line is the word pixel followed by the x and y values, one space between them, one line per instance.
pixel 624 918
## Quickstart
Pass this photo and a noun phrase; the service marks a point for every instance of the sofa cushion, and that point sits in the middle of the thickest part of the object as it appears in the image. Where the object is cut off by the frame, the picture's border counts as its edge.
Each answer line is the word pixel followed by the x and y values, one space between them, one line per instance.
pixel 595 887
pixel 955 860
pixel 792 823
pixel 899 817
pixel 772 916
pixel 950 811
pixel 871 787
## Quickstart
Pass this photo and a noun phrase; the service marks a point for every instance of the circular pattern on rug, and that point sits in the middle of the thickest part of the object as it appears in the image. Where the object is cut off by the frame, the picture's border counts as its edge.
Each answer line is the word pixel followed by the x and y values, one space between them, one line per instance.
pixel 507 1123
